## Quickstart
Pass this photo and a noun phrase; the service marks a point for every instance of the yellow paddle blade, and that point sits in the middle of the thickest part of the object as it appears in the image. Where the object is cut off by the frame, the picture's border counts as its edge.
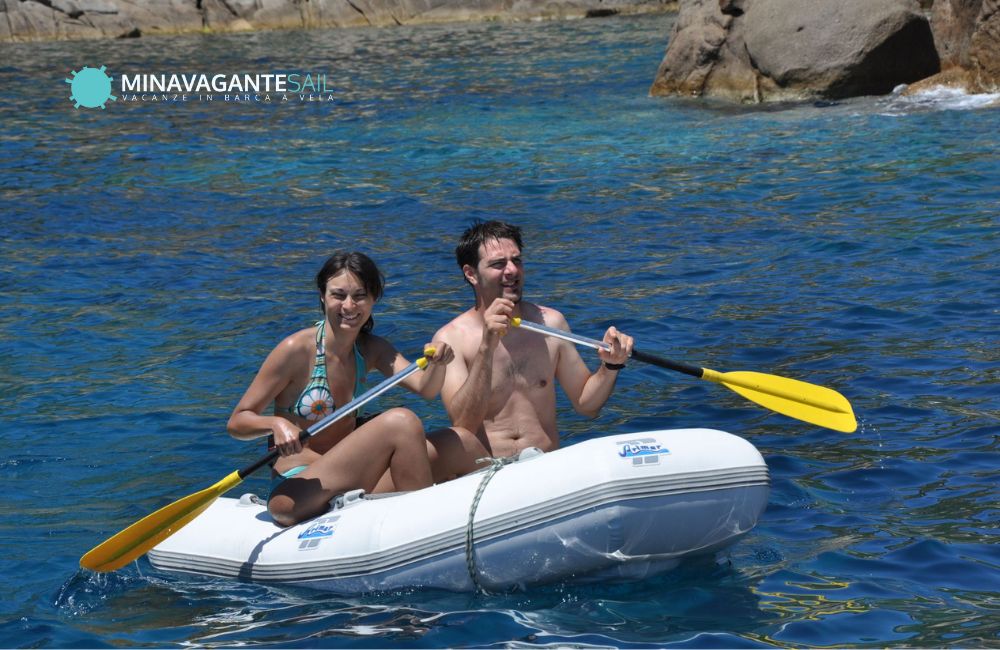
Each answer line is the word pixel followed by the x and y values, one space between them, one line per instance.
pixel 797 399
pixel 140 537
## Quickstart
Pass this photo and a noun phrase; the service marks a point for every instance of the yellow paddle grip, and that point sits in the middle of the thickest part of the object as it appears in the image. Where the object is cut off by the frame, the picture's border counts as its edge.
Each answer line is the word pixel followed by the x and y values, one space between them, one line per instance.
pixel 429 351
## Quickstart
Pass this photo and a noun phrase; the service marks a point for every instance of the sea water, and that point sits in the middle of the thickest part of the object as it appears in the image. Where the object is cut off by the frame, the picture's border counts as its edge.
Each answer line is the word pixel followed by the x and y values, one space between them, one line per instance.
pixel 154 252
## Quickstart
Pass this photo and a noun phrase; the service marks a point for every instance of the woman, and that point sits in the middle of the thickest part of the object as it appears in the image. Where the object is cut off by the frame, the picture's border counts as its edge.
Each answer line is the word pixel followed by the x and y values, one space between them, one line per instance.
pixel 315 370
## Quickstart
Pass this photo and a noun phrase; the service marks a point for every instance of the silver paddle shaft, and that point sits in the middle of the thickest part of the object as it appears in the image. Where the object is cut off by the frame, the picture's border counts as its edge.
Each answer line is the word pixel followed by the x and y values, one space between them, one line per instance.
pixel 559 334
pixel 364 398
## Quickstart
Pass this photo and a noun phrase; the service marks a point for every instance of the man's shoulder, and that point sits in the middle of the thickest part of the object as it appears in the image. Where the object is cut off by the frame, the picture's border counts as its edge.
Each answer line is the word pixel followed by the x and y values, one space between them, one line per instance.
pixel 460 324
pixel 546 315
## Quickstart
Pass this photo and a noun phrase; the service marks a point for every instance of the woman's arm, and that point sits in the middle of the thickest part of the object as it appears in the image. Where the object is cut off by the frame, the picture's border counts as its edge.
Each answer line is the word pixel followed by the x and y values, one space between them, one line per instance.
pixel 247 421
pixel 388 360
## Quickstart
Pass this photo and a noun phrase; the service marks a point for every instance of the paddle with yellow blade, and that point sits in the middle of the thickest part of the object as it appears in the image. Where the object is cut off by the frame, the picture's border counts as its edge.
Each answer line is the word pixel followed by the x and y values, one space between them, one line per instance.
pixel 796 399
pixel 146 533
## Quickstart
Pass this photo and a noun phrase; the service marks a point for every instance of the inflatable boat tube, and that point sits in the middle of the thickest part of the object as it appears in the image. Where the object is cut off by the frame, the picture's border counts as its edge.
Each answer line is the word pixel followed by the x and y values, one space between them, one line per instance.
pixel 617 507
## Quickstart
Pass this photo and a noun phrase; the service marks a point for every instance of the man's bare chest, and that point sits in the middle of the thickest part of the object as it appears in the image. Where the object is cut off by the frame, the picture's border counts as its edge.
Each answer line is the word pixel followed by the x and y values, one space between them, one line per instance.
pixel 523 363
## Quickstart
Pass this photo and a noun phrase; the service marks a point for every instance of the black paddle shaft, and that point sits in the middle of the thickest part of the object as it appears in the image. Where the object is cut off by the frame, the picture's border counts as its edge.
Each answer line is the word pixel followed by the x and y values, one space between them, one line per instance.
pixel 269 458
pixel 694 371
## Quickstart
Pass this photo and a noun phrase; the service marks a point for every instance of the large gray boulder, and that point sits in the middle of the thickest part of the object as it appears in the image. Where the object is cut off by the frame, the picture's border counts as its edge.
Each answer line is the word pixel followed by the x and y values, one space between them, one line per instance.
pixel 32 20
pixel 778 50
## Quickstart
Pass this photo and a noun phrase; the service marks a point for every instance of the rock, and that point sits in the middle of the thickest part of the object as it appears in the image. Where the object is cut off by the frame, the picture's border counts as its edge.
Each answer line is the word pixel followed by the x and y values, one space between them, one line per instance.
pixel 967 36
pixel 30 20
pixel 698 34
pixel 952 22
pixel 840 48
pixel 951 78
pixel 34 21
pixel 985 54
pixel 778 50
pixel 97 6
pixel 67 7
pixel 164 17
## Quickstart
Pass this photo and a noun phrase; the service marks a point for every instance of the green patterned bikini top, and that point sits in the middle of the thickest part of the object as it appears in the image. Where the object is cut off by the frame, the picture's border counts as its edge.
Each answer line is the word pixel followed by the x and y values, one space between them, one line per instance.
pixel 316 401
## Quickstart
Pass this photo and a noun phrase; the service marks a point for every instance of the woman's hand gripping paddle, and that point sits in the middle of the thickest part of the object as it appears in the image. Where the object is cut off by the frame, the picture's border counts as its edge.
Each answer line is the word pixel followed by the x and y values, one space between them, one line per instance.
pixel 146 533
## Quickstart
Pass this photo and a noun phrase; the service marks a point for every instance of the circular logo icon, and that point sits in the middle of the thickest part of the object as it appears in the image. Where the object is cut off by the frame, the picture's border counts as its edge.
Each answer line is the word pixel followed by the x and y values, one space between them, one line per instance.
pixel 90 88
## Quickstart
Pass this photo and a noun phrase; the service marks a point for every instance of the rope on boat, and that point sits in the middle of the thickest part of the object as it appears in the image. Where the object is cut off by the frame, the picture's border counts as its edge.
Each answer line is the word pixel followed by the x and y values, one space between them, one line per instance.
pixel 496 464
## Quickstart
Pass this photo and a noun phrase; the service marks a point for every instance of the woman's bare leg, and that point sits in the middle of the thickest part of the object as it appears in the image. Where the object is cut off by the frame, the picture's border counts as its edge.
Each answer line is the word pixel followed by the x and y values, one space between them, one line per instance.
pixel 393 441
pixel 453 452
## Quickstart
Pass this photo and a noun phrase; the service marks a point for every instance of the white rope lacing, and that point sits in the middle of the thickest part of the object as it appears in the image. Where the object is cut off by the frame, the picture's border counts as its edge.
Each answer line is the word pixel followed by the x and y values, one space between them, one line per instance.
pixel 496 464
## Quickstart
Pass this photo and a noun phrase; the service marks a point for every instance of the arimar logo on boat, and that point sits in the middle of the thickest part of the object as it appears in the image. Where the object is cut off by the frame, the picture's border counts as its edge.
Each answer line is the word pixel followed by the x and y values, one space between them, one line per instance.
pixel 644 451
pixel 90 87
pixel 317 532
pixel 320 528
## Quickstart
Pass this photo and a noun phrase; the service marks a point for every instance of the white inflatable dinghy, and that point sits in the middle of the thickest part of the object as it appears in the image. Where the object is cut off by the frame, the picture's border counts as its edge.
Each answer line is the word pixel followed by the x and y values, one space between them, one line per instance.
pixel 618 507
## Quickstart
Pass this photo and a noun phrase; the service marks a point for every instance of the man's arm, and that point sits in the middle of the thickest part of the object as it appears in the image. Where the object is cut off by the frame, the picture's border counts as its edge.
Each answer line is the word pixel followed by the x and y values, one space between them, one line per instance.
pixel 587 391
pixel 469 382
pixel 466 388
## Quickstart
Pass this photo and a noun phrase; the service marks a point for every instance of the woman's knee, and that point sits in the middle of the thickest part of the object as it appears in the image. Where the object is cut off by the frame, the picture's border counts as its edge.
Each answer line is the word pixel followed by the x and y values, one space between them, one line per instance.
pixel 281 507
pixel 287 511
pixel 403 423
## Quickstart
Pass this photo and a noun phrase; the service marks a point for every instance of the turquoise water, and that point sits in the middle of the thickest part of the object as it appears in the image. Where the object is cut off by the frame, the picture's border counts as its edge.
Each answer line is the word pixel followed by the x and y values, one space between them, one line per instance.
pixel 152 254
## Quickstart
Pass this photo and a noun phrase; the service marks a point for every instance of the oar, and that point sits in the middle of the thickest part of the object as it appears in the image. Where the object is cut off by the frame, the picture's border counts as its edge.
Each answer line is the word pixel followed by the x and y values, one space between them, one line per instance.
pixel 146 533
pixel 797 399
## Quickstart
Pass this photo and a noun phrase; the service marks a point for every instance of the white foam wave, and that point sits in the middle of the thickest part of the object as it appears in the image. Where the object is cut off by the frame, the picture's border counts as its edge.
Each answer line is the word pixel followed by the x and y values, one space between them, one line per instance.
pixel 937 98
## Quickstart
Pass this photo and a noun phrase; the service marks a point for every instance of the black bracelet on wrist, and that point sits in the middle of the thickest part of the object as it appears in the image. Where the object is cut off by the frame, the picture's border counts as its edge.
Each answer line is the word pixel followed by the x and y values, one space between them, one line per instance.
pixel 614 366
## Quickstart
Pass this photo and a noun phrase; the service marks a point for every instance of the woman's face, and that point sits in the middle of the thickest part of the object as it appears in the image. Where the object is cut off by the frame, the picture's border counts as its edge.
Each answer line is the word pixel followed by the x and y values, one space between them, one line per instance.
pixel 346 302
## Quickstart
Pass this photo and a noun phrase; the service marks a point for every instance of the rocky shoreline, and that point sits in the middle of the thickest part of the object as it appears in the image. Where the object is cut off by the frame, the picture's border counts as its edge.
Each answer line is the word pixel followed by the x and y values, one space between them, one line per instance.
pixel 747 51
pixel 46 20
pixel 754 51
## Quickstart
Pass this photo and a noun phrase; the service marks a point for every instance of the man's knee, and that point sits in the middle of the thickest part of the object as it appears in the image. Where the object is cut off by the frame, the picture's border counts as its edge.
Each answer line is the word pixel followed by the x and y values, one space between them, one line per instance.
pixel 462 433
pixel 475 445
pixel 454 452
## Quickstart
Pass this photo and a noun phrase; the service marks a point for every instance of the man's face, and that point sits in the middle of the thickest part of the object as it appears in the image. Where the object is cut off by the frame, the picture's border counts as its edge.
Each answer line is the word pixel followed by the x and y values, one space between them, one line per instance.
pixel 499 273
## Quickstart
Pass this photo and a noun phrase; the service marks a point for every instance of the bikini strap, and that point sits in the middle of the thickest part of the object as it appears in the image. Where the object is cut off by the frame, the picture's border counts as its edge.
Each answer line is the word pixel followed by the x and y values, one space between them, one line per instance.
pixel 319 365
pixel 360 372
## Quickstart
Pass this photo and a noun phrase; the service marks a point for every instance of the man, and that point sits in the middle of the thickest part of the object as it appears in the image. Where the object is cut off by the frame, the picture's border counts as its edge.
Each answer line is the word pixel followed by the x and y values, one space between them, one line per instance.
pixel 501 384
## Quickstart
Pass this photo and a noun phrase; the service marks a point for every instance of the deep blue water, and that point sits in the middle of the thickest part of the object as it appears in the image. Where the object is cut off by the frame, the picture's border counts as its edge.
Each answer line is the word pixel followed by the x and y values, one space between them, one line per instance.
pixel 153 253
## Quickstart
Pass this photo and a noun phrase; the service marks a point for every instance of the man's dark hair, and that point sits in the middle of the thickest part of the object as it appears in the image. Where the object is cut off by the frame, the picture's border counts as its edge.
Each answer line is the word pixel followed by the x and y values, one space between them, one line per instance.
pixel 467 251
